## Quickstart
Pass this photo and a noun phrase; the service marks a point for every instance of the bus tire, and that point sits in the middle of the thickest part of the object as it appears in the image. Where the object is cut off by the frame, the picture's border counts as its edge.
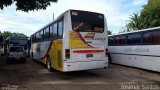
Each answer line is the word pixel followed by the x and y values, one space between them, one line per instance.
pixel 48 63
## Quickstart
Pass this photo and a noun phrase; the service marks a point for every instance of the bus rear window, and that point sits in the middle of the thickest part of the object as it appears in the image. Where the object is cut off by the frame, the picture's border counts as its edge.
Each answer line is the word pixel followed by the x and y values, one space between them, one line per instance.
pixel 87 21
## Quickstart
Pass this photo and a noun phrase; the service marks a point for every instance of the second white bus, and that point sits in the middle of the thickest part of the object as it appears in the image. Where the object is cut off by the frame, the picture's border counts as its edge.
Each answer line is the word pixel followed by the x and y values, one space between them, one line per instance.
pixel 139 49
pixel 76 40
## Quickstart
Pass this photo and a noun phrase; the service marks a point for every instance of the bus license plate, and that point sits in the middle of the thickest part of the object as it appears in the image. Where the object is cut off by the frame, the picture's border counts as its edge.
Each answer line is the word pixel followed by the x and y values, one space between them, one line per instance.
pixel 89 55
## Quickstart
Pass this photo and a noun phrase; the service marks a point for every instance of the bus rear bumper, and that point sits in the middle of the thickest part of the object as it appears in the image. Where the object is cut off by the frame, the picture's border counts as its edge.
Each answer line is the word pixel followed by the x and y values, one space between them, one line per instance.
pixel 77 66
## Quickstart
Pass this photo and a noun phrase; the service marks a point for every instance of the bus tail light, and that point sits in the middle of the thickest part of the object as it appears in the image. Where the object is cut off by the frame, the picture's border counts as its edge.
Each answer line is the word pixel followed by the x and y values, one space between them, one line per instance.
pixel 67 53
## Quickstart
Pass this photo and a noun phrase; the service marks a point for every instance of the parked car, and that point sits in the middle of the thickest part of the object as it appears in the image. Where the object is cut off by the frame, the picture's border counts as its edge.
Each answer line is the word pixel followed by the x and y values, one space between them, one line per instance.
pixel 16 52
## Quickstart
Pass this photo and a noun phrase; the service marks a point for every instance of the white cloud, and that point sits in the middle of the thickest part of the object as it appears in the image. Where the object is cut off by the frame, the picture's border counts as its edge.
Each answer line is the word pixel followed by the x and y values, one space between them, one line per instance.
pixel 28 23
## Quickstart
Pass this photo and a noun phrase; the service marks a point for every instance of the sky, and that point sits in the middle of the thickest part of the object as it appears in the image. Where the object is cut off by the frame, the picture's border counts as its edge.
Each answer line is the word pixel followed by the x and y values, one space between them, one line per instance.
pixel 117 13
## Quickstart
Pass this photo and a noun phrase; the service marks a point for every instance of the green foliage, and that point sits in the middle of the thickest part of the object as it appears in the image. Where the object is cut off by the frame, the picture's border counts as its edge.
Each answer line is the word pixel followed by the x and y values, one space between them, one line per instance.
pixel 27 5
pixel 149 17
pixel 109 32
pixel 151 12
pixel 7 34
pixel 134 22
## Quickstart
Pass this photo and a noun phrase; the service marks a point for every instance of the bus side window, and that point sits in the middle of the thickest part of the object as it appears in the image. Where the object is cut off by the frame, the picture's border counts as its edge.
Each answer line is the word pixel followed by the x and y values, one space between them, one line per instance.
pixel 134 39
pixel 111 41
pixel 156 37
pixel 147 37
pixel 60 29
pixel 37 37
pixel 51 31
pixel 117 40
pixel 32 38
pixel 137 38
pixel 130 39
pixel 41 35
pixel 123 39
pixel 46 33
pixel 54 30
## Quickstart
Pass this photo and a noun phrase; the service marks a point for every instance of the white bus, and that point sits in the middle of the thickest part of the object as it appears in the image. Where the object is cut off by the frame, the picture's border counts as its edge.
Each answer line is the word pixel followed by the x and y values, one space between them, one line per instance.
pixel 139 49
pixel 17 41
pixel 76 40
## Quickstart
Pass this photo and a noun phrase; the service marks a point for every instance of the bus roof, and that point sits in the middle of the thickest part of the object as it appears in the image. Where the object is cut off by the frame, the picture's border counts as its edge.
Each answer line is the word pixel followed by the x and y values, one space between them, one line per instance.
pixel 51 22
pixel 61 15
pixel 141 30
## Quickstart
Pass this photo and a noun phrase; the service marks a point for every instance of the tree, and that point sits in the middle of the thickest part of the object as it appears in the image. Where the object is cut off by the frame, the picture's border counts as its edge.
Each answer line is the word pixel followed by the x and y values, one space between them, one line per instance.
pixel 27 5
pixel 109 32
pixel 148 17
pixel 7 34
pixel 135 22
pixel 151 13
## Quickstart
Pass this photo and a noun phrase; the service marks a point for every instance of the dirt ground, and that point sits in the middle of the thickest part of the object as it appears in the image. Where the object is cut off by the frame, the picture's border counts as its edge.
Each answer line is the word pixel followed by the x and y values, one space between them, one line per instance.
pixel 34 76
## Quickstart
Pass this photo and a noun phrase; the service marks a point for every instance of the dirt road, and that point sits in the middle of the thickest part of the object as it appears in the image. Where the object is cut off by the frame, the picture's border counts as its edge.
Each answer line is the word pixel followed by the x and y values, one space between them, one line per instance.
pixel 34 76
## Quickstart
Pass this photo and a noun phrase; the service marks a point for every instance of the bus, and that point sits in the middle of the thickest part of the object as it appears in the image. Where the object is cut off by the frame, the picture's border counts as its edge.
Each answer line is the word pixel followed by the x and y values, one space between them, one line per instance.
pixel 76 40
pixel 1 44
pixel 16 41
pixel 138 49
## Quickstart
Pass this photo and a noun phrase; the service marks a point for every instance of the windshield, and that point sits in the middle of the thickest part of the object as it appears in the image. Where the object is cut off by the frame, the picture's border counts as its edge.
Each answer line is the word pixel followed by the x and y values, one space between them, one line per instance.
pixel 83 21
pixel 16 49
pixel 19 42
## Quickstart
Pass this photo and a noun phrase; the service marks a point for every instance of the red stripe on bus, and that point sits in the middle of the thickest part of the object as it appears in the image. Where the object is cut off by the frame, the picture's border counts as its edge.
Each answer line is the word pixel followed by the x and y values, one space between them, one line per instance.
pixel 80 36
pixel 88 51
pixel 49 48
